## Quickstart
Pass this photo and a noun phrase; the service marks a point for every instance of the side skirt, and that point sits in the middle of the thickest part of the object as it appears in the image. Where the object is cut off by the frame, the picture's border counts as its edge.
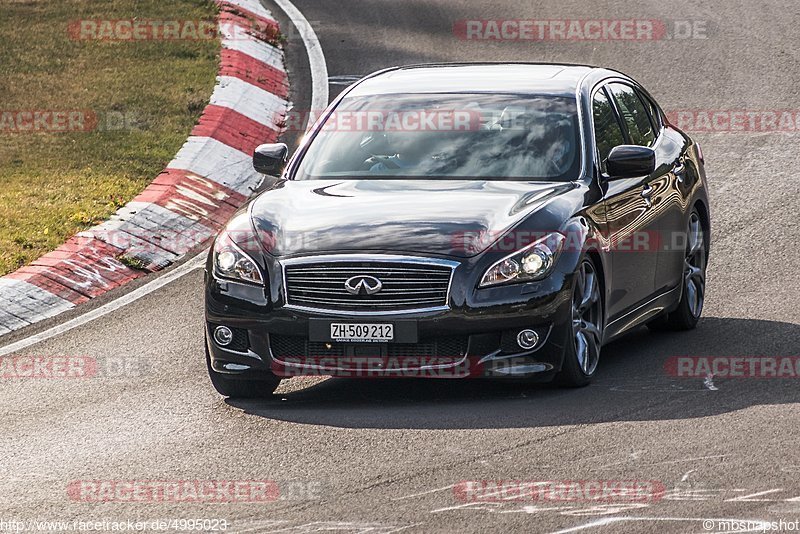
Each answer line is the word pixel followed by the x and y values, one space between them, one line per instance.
pixel 645 312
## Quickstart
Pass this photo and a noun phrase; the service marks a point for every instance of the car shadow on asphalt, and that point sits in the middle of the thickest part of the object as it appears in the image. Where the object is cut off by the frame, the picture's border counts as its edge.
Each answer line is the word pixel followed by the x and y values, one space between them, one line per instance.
pixel 632 384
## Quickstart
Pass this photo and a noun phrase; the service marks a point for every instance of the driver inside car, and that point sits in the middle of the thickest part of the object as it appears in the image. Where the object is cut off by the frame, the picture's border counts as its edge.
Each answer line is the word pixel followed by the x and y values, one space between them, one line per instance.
pixel 409 150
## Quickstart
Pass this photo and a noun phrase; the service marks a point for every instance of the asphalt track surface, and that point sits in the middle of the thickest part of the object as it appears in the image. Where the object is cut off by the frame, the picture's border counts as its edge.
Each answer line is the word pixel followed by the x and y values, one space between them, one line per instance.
pixel 381 456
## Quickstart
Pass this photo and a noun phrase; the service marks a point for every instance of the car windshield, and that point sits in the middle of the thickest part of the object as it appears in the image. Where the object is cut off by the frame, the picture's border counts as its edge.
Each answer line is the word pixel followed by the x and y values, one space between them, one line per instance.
pixel 447 136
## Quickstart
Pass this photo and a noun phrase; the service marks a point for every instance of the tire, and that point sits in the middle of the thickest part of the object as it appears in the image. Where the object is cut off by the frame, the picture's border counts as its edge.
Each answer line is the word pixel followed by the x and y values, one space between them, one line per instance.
pixel 690 307
pixel 241 388
pixel 584 338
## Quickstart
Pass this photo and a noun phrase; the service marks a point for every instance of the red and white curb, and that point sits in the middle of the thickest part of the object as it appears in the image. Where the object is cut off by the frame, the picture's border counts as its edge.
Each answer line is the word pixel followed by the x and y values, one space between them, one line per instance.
pixel 209 178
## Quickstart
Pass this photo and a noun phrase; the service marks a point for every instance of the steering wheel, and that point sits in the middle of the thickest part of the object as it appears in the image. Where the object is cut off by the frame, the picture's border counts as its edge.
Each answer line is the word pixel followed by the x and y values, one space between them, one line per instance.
pixel 371 161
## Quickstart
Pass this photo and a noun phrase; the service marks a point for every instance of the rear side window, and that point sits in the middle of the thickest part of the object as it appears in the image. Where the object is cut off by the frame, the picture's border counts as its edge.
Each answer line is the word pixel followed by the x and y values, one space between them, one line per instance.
pixel 607 132
pixel 652 109
pixel 634 114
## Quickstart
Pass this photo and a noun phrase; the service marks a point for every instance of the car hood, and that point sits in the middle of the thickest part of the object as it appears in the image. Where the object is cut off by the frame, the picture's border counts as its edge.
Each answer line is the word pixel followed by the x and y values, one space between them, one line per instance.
pixel 446 217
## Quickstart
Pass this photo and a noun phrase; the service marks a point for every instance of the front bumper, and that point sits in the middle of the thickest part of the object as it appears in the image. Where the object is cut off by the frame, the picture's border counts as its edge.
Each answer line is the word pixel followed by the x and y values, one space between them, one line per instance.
pixel 474 337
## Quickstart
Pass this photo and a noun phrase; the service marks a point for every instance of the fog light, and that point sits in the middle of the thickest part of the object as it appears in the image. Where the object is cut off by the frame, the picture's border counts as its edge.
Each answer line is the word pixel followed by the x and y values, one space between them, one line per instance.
pixel 527 339
pixel 223 336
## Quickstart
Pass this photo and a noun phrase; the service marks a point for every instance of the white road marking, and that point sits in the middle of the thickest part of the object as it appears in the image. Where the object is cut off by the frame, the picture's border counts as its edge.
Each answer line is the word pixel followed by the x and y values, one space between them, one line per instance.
pixel 684 460
pixel 195 263
pixel 749 498
pixel 316 59
pixel 598 523
pixel 319 100
pixel 535 509
pixel 708 382
pixel 634 455
pixel 610 520
pixel 477 505
pixel 673 461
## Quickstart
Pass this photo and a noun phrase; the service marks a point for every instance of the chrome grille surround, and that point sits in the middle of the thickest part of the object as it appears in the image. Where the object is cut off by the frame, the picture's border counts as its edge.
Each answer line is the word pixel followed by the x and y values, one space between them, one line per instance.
pixel 316 284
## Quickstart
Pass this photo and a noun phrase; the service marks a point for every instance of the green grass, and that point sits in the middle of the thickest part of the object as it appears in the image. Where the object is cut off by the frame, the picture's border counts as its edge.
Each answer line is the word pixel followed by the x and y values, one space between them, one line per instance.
pixel 55 184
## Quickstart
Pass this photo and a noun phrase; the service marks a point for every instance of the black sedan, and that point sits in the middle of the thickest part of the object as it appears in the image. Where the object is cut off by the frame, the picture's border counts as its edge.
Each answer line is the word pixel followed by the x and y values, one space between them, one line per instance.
pixel 461 220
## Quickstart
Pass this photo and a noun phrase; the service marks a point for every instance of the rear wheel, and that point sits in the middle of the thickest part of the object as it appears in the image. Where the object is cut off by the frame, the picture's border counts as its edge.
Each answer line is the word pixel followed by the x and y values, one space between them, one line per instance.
pixel 690 307
pixel 241 389
pixel 582 353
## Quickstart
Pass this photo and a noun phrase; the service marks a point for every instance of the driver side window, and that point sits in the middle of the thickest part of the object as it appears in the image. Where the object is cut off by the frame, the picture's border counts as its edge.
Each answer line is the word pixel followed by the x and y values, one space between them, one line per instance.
pixel 634 114
pixel 607 131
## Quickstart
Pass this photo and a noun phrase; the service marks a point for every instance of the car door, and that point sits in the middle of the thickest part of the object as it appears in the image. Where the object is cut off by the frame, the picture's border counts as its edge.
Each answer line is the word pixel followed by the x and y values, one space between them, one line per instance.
pixel 672 203
pixel 630 223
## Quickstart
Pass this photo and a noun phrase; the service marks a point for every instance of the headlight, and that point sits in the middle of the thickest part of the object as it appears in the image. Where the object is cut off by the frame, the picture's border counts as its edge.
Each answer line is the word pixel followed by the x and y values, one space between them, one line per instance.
pixel 533 262
pixel 232 262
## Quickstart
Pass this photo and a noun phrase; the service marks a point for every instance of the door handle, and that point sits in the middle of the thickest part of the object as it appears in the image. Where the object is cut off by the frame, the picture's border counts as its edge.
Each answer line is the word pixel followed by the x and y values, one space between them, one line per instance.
pixel 647 192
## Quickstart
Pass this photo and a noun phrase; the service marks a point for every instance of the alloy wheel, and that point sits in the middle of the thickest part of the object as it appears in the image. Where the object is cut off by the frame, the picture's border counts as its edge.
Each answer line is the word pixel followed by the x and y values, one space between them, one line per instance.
pixel 587 318
pixel 694 267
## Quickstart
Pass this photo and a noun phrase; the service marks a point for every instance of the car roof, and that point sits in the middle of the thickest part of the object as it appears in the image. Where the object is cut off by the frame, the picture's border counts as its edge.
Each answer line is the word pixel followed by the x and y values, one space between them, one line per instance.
pixel 518 78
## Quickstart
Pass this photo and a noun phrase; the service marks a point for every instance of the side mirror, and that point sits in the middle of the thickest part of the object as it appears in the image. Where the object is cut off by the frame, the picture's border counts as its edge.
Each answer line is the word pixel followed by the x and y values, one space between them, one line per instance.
pixel 630 161
pixel 270 158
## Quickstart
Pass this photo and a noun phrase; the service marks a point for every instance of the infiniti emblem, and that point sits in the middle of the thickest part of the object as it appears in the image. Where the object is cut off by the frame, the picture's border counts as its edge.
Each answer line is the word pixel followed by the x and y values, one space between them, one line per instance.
pixel 363 284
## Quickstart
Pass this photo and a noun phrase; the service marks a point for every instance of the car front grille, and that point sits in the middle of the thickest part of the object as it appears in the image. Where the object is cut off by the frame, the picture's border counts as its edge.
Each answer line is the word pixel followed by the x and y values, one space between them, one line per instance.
pixel 296 347
pixel 284 347
pixel 405 285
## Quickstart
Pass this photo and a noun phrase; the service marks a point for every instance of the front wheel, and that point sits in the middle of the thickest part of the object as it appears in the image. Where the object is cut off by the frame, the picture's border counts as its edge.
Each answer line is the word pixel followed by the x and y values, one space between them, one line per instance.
pixel 690 307
pixel 582 351
pixel 241 389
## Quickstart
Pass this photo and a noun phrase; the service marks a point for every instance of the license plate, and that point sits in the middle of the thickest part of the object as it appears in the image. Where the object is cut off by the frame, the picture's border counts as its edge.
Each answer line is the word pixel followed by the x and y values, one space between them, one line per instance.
pixel 362 332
